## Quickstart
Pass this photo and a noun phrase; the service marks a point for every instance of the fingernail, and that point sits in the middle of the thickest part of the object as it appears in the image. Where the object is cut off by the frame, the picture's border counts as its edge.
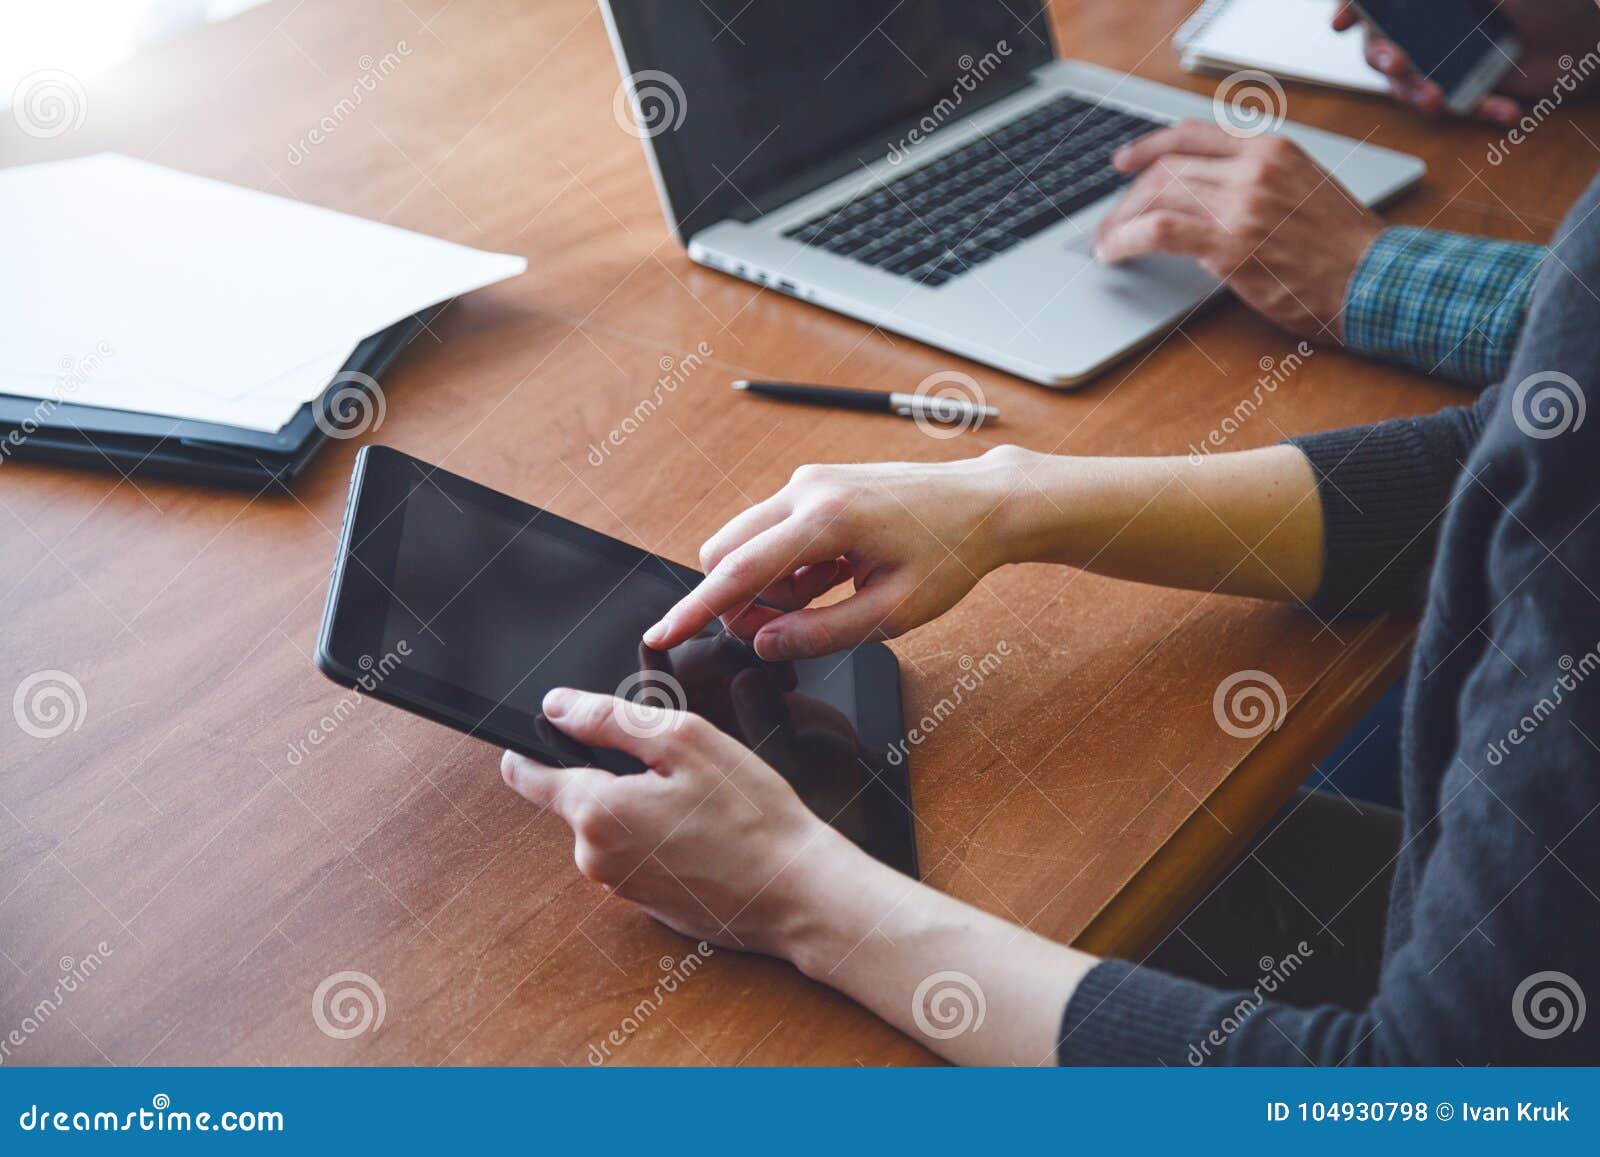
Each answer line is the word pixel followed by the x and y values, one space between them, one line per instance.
pixel 655 634
pixel 1383 57
pixel 556 702
pixel 508 767
pixel 773 646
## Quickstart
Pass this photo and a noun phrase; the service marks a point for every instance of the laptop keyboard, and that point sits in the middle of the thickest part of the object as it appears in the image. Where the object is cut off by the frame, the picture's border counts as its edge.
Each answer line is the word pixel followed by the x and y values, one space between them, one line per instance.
pixel 952 215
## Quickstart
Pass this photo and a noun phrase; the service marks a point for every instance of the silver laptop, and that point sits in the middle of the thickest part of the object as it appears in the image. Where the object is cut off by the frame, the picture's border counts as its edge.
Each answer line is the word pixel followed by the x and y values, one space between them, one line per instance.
pixel 927 166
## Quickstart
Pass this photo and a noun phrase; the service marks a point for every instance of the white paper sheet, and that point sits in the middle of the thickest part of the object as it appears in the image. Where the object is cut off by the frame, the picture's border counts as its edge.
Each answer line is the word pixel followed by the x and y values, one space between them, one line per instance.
pixel 203 300
pixel 266 412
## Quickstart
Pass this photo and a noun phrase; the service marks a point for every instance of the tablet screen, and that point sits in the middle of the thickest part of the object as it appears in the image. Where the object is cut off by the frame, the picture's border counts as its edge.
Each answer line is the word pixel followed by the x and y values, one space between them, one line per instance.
pixel 498 607
pixel 493 603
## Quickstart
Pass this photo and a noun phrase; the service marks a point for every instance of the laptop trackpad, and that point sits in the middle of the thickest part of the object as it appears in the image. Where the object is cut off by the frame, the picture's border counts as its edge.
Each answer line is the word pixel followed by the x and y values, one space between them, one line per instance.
pixel 1162 280
pixel 1055 306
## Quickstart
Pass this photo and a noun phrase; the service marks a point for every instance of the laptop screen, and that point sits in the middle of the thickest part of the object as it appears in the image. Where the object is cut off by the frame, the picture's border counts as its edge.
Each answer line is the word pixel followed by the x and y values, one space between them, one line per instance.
pixel 741 99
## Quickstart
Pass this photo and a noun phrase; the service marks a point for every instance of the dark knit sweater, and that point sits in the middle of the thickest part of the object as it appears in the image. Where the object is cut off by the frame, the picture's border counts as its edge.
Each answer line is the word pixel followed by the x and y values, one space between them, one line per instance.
pixel 1487 518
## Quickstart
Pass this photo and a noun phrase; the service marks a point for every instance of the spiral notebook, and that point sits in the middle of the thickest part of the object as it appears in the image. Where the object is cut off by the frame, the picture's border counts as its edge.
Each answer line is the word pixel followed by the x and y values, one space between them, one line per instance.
pixel 1290 39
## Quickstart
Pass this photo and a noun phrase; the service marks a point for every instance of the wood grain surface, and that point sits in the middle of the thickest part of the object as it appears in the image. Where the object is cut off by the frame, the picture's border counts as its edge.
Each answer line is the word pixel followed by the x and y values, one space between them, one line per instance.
pixel 216 868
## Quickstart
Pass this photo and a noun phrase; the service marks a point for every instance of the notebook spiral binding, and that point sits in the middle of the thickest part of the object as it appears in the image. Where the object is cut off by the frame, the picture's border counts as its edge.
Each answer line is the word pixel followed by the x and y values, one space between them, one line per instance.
pixel 1196 24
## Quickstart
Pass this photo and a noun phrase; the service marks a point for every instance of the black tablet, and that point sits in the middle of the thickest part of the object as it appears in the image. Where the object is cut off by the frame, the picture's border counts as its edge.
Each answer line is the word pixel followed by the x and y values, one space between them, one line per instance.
pixel 466 606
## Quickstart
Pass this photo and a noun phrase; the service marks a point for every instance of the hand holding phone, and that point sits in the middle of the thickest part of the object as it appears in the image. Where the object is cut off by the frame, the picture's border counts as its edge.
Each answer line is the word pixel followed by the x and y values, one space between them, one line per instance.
pixel 1438 54
pixel 1407 51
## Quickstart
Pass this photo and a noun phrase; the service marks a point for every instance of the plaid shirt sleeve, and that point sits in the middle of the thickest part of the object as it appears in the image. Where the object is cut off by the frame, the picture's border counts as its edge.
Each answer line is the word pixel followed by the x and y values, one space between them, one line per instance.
pixel 1443 303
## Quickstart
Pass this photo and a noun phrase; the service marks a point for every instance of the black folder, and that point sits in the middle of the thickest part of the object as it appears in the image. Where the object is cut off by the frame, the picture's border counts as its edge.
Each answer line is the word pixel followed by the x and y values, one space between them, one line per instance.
pixel 135 444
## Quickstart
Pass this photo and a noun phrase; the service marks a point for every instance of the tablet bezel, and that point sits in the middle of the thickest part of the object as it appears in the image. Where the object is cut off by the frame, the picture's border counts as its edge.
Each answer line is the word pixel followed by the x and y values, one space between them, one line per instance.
pixel 350 643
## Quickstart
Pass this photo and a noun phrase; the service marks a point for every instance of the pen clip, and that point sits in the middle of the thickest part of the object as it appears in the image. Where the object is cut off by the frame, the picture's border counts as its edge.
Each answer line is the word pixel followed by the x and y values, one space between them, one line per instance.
pixel 950 411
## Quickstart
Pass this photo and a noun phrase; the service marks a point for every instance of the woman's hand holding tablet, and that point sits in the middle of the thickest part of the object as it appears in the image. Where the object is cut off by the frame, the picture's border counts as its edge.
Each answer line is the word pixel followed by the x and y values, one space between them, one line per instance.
pixel 712 842
pixel 740 838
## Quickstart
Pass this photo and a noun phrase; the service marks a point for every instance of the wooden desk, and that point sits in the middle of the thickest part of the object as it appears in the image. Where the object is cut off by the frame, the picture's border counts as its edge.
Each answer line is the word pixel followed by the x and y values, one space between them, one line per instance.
pixel 1085 789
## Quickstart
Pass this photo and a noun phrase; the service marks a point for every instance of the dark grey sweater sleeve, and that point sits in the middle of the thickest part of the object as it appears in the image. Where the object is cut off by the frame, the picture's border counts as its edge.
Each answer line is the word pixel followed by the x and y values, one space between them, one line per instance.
pixel 1383 490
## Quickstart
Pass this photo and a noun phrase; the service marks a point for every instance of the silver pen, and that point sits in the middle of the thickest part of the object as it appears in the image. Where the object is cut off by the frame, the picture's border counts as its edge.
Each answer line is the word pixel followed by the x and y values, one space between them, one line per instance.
pixel 930 407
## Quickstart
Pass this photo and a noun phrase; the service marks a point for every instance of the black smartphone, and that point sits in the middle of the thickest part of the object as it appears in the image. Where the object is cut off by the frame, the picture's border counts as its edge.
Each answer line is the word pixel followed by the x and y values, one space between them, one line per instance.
pixel 464 605
pixel 1463 46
